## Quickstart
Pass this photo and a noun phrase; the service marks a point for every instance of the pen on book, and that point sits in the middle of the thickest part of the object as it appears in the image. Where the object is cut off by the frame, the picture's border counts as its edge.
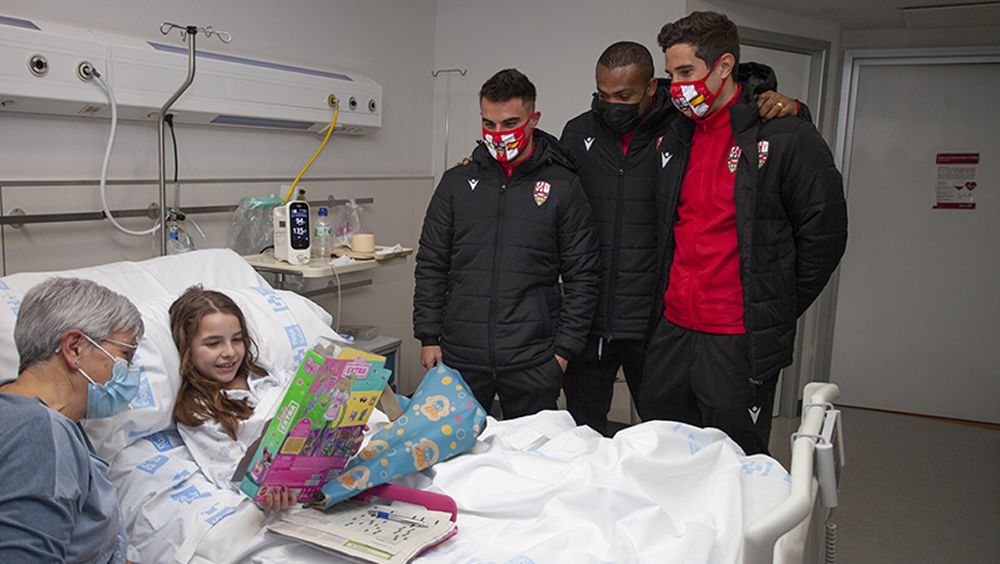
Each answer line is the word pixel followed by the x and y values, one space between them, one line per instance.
pixel 397 518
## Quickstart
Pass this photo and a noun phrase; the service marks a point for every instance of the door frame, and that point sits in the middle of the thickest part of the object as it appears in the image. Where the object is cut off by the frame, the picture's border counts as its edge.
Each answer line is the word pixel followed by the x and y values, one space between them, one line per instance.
pixel 817 50
pixel 854 61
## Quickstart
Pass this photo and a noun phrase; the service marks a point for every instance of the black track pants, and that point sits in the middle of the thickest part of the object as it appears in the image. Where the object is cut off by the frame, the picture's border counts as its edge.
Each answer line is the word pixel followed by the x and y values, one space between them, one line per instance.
pixel 590 379
pixel 704 379
pixel 522 392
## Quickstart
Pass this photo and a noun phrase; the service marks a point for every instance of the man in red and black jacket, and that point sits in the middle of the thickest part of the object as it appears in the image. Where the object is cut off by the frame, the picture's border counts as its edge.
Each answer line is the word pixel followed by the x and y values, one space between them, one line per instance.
pixel 615 144
pixel 752 223
pixel 508 268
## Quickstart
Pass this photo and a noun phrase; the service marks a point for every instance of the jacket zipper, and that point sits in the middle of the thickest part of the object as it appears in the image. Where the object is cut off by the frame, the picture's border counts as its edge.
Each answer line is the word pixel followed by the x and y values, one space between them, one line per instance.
pixel 745 255
pixel 672 211
pixel 496 274
pixel 615 250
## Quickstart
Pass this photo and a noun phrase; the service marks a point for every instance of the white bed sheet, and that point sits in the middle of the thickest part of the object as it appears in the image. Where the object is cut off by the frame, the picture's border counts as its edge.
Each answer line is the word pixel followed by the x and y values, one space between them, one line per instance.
pixel 535 489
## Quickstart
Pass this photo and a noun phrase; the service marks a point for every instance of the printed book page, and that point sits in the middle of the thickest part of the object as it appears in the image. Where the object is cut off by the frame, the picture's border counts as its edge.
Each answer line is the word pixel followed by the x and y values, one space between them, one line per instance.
pixel 367 531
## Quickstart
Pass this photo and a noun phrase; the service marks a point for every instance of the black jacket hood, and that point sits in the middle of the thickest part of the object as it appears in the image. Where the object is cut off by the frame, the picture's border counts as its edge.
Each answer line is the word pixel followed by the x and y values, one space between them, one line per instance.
pixel 756 79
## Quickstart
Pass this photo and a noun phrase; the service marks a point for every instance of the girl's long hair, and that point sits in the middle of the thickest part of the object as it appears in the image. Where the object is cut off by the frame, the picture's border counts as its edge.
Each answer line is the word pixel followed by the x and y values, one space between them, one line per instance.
pixel 200 398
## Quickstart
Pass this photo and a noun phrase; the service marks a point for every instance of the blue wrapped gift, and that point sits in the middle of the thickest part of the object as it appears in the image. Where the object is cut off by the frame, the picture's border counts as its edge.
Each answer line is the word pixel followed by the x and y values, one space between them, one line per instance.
pixel 441 420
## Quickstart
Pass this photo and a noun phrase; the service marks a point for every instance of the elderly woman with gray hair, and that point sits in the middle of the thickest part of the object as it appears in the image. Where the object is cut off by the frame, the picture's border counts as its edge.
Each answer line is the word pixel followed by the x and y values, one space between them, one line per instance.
pixel 76 340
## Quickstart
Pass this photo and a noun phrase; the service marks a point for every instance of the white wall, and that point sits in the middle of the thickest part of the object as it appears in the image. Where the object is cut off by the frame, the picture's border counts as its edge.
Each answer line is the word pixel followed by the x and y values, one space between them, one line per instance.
pixel 392 42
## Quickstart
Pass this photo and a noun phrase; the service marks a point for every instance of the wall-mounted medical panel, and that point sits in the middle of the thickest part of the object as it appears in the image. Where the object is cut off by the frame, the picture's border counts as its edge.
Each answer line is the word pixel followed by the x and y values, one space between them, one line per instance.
pixel 40 66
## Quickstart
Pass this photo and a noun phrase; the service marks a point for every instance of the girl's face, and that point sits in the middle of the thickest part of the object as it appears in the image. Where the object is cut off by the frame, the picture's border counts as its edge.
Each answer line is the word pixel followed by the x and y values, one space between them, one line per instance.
pixel 217 348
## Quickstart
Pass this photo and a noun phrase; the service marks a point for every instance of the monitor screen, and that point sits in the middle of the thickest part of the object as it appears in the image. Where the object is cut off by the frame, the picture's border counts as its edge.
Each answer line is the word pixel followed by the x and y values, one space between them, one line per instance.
pixel 298 214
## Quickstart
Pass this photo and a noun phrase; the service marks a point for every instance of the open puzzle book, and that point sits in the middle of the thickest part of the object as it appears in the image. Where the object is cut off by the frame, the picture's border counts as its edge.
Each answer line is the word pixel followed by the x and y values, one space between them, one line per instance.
pixel 366 530
pixel 319 420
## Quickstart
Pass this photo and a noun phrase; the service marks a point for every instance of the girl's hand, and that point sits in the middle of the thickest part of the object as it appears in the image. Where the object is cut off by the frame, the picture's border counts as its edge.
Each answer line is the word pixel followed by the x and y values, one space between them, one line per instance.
pixel 279 499
pixel 359 440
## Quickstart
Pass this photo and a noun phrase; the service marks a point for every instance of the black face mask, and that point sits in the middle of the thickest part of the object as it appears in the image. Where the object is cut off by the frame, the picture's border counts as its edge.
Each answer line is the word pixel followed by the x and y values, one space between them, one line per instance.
pixel 620 118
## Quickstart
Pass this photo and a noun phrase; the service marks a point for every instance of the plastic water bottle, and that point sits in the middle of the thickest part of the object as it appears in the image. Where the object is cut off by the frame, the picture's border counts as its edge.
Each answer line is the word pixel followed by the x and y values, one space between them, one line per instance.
pixel 178 240
pixel 322 239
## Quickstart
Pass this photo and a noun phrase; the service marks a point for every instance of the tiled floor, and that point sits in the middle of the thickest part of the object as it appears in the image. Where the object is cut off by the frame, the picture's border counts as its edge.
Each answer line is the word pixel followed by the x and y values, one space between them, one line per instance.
pixel 914 490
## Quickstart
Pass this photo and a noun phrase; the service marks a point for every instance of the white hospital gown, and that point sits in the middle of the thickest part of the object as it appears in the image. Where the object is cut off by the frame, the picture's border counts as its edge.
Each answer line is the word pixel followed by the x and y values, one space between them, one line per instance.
pixel 213 450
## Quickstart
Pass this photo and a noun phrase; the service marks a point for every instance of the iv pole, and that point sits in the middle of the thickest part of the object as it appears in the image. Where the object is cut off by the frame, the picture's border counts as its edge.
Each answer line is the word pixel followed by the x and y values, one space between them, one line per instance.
pixel 188 33
pixel 447 106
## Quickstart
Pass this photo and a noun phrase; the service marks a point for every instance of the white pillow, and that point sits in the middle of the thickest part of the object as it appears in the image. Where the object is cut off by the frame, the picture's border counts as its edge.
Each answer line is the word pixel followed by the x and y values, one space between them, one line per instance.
pixel 126 278
pixel 137 281
pixel 283 324
pixel 215 268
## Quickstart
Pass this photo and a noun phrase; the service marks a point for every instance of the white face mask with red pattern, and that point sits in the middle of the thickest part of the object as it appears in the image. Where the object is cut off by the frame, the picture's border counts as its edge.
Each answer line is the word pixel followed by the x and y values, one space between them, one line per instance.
pixel 695 98
pixel 506 146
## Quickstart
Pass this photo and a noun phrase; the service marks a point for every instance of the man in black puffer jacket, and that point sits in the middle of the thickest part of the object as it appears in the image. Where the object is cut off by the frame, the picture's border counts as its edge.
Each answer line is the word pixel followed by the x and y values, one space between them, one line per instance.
pixel 752 224
pixel 498 235
pixel 615 144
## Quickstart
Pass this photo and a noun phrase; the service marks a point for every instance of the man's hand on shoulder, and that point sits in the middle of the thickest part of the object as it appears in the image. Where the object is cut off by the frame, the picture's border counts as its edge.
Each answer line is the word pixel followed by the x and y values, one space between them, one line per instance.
pixel 773 104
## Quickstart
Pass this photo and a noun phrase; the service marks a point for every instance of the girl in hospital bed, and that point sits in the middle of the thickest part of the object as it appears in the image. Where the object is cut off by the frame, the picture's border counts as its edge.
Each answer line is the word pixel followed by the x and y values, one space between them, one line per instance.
pixel 226 398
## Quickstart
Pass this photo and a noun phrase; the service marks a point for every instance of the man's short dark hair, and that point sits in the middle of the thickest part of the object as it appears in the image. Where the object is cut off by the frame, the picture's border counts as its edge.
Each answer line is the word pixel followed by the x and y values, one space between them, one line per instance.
pixel 711 34
pixel 625 53
pixel 507 85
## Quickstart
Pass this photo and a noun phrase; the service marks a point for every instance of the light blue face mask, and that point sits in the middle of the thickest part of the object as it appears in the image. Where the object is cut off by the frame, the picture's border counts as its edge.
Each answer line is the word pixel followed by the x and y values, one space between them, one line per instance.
pixel 115 395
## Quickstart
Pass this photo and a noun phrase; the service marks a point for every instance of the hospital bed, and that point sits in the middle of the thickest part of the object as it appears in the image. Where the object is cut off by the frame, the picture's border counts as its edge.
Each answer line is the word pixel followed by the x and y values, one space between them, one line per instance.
pixel 534 489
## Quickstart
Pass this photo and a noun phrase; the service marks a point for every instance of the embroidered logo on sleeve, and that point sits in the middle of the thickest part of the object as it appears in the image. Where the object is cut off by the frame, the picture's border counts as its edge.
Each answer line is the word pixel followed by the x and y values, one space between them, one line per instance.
pixel 665 158
pixel 541 192
pixel 587 142
pixel 754 413
pixel 734 158
pixel 762 153
pixel 473 182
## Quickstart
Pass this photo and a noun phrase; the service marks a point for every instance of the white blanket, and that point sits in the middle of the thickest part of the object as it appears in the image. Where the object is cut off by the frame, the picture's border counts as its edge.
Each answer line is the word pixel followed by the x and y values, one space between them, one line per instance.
pixel 535 489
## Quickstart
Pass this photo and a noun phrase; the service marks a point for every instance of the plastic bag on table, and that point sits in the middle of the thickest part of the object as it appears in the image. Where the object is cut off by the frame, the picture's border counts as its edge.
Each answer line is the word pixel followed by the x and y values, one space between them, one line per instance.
pixel 346 221
pixel 252 228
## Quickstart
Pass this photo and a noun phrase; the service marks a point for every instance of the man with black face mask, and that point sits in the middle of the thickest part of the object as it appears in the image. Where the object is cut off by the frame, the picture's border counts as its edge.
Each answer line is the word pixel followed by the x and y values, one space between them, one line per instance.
pixel 616 145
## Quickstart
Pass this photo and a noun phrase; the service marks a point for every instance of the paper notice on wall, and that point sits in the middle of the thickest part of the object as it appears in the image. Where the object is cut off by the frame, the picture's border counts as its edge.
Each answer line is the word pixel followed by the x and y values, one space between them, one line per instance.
pixel 956 181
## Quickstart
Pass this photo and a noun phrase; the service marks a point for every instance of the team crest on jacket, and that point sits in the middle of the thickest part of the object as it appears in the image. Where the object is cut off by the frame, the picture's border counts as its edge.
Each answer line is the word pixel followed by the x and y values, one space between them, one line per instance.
pixel 541 192
pixel 734 158
pixel 761 153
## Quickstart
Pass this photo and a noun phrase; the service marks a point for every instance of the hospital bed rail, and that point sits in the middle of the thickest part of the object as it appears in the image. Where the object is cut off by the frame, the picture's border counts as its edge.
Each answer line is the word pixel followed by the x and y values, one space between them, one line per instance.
pixel 794 515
